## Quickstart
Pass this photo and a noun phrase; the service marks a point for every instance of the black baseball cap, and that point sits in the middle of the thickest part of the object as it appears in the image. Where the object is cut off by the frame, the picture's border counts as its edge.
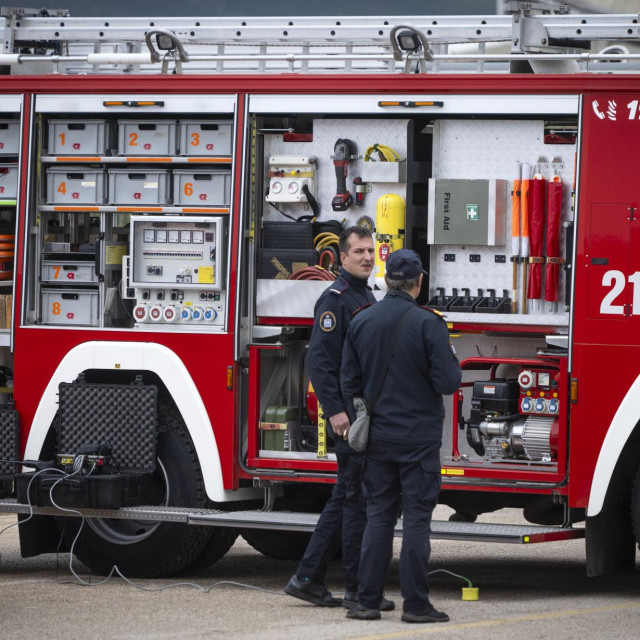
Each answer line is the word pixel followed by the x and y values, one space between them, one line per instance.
pixel 403 264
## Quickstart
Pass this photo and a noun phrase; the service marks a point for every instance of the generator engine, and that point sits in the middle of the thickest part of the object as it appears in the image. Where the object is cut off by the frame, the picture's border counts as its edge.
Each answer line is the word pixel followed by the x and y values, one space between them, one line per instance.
pixel 512 420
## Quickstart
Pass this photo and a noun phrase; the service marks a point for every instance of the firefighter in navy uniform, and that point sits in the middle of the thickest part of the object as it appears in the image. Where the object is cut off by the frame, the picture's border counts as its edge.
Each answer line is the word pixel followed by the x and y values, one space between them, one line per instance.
pixel 403 450
pixel 344 515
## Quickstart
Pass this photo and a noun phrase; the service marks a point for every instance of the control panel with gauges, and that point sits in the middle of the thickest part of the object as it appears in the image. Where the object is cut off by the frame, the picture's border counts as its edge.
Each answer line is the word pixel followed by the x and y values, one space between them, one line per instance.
pixel 175 269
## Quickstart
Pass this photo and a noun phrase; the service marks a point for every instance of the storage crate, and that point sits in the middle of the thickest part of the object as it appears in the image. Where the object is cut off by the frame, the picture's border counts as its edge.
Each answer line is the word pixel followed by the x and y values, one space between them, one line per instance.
pixel 147 137
pixel 70 306
pixel 67 272
pixel 281 263
pixel 8 181
pixel 81 137
pixel 201 187
pixel 99 491
pixel 9 137
pixel 287 235
pixel 138 187
pixel 75 185
pixel 198 138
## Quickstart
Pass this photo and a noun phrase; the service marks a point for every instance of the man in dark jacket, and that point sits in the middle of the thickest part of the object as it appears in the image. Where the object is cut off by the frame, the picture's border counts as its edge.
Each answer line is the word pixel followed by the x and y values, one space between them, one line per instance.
pixel 403 450
pixel 344 515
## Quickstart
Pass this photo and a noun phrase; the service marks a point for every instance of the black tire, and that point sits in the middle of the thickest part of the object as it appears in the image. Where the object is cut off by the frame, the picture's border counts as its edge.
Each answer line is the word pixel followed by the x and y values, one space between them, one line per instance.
pixel 144 549
pixel 221 540
pixel 282 545
pixel 635 507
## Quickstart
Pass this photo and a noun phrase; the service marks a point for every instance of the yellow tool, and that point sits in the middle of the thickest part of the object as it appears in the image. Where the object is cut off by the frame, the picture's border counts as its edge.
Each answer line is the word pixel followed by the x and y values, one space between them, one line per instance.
pixel 322 434
pixel 390 221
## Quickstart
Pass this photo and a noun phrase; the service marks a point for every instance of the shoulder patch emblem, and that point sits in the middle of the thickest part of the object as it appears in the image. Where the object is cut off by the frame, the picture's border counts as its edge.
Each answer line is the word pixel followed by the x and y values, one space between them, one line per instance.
pixel 327 321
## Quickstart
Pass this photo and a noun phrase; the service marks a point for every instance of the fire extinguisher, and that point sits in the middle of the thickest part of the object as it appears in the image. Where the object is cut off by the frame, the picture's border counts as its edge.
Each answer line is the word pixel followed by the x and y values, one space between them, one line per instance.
pixel 390 221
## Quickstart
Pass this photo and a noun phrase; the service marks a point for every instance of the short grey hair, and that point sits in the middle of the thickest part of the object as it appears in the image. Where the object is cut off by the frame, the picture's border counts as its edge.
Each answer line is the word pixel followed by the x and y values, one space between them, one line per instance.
pixel 402 285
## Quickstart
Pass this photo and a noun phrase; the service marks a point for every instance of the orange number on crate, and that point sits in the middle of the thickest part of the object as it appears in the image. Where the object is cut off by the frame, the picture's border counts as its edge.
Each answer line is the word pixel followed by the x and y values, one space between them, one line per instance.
pixel 57 272
pixel 61 136
pixel 133 139
pixel 56 309
pixel 188 189
pixel 195 139
pixel 62 188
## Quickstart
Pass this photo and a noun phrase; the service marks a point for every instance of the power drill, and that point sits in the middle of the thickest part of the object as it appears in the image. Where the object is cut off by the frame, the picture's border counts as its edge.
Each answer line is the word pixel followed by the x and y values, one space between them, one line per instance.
pixel 342 151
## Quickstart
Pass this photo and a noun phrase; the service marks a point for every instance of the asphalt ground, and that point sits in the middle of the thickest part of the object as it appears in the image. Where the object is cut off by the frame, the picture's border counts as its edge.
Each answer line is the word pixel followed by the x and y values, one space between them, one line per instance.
pixel 526 591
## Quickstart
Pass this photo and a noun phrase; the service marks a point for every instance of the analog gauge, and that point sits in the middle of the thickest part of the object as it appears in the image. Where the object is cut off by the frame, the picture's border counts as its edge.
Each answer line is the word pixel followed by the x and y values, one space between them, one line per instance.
pixel 198 237
pixel 293 187
pixel 174 235
pixel 161 235
pixel 185 236
pixel 544 379
pixel 276 187
pixel 149 235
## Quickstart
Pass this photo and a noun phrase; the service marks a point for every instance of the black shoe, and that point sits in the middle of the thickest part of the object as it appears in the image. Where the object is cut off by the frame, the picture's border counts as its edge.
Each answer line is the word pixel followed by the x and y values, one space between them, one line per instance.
pixel 350 601
pixel 463 516
pixel 312 592
pixel 360 613
pixel 426 615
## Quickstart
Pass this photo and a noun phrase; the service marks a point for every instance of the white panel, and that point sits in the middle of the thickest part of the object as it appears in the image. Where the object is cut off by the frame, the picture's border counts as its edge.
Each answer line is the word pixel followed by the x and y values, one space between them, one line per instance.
pixel 10 104
pixel 172 104
pixel 486 149
pixel 363 133
pixel 452 104
pixel 288 298
pixel 623 423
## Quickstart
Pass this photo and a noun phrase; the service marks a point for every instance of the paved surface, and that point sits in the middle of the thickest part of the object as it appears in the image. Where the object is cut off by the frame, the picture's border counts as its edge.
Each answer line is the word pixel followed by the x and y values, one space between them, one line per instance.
pixel 537 591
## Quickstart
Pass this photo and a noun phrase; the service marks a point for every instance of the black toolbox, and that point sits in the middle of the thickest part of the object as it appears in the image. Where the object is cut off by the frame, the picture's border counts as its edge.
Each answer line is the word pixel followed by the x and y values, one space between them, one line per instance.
pixel 281 263
pixel 287 235
pixel 99 491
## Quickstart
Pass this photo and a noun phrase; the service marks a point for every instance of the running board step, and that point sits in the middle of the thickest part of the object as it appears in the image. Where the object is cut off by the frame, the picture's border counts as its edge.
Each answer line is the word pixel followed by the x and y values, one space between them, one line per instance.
pixel 290 521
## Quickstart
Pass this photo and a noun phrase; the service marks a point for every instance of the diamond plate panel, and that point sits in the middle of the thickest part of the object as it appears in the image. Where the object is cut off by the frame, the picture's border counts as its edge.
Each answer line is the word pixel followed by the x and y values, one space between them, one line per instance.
pixel 483 149
pixel 363 132
pixel 289 521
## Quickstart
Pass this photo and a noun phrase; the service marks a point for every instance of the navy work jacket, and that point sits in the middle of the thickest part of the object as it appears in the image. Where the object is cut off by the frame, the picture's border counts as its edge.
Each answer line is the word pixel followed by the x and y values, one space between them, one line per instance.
pixel 332 316
pixel 409 410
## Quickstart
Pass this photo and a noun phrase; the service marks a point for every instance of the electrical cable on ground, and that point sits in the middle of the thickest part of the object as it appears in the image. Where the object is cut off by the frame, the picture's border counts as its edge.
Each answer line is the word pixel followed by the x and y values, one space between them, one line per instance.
pixel 78 466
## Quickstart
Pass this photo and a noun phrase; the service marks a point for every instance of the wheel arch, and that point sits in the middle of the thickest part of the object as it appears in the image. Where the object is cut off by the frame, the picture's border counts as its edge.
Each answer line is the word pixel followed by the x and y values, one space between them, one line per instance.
pixel 619 455
pixel 169 368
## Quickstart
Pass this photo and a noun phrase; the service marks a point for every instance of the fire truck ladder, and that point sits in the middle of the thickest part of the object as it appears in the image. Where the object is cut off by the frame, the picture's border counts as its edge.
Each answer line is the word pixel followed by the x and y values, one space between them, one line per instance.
pixel 542 36
pixel 290 521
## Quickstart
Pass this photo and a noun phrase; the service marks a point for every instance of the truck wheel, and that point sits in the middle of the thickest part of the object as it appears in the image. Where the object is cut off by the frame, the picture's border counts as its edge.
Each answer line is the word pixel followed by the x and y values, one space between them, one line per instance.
pixel 144 549
pixel 282 545
pixel 221 540
pixel 635 507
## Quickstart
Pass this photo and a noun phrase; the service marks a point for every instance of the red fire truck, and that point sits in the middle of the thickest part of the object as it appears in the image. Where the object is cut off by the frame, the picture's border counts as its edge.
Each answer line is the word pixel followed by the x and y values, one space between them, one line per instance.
pixel 171 191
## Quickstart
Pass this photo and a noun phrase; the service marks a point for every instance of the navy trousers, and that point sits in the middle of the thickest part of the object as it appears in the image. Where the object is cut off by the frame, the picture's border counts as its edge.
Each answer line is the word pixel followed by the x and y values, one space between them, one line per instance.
pixel 342 519
pixel 385 481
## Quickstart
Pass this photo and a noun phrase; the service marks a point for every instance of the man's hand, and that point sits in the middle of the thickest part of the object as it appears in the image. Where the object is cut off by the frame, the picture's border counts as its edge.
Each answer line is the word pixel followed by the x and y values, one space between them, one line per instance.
pixel 340 424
